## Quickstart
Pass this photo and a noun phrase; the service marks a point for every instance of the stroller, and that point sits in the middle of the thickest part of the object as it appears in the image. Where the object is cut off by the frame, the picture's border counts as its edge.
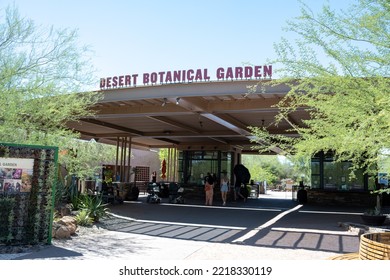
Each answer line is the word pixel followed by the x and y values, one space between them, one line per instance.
pixel 110 193
pixel 176 193
pixel 153 191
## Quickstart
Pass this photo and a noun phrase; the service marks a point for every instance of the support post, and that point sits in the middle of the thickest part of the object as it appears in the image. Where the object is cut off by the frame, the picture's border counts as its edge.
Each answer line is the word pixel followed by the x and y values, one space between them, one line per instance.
pixel 116 158
pixel 129 161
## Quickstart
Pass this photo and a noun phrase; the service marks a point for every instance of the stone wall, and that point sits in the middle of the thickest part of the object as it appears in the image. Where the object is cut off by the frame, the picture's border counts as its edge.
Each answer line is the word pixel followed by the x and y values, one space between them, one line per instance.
pixel 340 198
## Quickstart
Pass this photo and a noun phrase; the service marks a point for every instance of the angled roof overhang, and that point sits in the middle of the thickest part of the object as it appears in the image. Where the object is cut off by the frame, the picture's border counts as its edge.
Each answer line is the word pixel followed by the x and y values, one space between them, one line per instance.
pixel 199 114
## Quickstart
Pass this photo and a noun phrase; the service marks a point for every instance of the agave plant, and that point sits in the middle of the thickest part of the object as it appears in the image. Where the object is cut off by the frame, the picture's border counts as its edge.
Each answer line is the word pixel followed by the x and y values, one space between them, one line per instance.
pixel 83 218
pixel 94 206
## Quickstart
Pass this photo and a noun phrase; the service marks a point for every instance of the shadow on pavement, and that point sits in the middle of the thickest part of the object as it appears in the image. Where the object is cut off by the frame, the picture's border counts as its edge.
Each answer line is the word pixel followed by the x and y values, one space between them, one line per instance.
pixel 51 251
pixel 310 227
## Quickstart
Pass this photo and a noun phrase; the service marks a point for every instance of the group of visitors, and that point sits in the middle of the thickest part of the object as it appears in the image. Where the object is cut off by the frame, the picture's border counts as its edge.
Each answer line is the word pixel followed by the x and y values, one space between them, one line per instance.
pixel 210 182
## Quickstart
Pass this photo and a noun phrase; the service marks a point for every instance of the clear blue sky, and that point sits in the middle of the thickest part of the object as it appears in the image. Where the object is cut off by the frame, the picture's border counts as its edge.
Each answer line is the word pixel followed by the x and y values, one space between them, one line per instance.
pixel 135 37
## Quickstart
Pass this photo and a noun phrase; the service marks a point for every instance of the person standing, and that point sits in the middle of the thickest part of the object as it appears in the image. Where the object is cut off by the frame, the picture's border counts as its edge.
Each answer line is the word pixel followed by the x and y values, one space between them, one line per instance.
pixel 209 189
pixel 154 177
pixel 224 189
pixel 237 191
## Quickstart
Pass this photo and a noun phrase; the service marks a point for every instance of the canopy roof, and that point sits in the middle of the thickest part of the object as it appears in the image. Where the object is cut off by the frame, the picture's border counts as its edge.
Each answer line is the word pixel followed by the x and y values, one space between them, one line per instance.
pixel 188 115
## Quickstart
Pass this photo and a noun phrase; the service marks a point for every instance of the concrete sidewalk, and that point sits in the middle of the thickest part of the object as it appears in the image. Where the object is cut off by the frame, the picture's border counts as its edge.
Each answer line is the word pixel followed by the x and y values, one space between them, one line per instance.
pixel 112 245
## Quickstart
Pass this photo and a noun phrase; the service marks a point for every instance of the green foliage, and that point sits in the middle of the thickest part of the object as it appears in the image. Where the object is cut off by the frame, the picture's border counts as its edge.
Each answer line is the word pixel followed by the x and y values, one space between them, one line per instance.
pixel 76 201
pixel 381 191
pixel 60 191
pixel 56 216
pixel 7 217
pixel 274 169
pixel 93 205
pixel 84 158
pixel 354 41
pixel 346 96
pixel 29 220
pixel 83 218
pixel 267 168
pixel 163 154
pixel 42 73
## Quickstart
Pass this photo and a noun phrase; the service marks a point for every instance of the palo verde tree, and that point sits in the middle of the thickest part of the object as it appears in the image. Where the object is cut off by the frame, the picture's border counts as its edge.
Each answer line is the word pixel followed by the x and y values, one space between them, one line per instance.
pixel 338 70
pixel 42 72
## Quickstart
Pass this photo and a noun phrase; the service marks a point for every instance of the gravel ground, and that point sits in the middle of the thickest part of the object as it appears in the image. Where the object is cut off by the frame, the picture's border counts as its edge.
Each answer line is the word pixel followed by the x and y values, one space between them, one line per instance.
pixel 16 250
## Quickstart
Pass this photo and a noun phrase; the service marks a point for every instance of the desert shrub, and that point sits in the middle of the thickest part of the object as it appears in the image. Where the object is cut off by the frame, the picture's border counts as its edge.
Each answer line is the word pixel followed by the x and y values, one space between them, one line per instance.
pixel 83 218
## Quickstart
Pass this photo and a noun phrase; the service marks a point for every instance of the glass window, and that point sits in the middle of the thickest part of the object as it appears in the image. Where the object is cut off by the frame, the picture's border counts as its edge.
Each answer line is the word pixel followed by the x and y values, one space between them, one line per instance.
pixel 315 173
pixel 315 167
pixel 196 164
pixel 338 176
pixel 226 165
pixel 315 181
pixel 328 156
pixel 210 155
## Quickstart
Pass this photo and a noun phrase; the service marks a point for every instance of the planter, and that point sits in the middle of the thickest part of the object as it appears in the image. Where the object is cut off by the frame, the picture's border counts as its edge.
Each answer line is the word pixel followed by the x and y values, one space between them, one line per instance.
pixel 373 220
pixel 133 193
pixel 375 246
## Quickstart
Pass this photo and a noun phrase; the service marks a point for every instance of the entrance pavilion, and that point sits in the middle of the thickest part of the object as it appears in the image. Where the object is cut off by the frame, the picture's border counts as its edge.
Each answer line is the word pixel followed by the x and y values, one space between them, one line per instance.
pixel 204 125
pixel 205 121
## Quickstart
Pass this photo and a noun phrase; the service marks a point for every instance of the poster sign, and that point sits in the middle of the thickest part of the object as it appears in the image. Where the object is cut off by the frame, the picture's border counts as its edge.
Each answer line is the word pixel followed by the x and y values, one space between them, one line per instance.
pixel 15 175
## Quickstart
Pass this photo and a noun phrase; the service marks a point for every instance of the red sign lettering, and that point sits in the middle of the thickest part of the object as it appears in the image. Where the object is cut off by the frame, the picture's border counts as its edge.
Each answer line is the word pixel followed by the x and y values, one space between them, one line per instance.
pixel 191 75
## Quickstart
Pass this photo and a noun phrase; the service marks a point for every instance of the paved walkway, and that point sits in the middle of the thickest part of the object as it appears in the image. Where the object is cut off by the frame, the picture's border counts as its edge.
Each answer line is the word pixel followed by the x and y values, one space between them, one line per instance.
pixel 127 246
pixel 280 230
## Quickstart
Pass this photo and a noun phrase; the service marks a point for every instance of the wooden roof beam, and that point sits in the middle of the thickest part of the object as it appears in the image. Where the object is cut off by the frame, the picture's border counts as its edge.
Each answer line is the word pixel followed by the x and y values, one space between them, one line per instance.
pixel 113 126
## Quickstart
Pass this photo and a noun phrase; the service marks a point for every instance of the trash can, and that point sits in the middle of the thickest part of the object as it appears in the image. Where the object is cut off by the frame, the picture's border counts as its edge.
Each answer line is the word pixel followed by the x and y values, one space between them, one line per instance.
pixel 294 190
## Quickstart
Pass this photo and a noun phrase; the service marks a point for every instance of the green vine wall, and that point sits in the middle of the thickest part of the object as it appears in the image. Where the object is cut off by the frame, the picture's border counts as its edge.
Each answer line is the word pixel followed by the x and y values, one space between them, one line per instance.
pixel 26 217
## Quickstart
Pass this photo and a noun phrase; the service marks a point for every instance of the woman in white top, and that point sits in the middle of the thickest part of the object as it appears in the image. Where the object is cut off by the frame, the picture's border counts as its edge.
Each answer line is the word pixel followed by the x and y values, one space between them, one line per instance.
pixel 224 189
